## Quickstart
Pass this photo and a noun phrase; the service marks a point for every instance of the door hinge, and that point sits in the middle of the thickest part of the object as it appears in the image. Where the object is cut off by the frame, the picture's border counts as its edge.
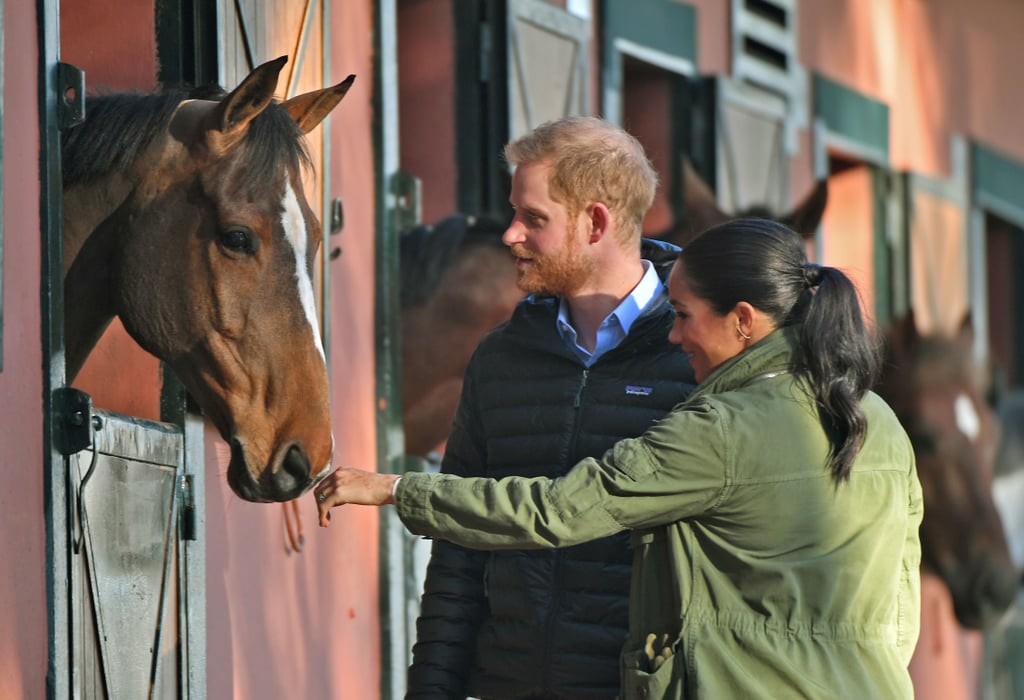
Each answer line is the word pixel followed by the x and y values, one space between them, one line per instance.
pixel 70 96
pixel 406 190
pixel 74 424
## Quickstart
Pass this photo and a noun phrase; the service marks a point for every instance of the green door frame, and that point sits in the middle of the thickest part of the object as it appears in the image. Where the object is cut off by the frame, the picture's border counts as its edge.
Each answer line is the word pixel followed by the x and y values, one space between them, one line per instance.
pixel 55 486
pixel 996 184
pixel 660 32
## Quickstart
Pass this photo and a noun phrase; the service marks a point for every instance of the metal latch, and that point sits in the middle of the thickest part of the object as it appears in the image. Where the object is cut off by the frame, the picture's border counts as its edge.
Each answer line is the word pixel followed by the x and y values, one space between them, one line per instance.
pixel 407 192
pixel 75 424
pixel 188 507
pixel 76 430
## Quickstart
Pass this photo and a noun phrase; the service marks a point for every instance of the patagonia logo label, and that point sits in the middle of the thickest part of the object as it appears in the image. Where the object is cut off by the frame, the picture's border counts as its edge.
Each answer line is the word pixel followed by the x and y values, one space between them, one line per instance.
pixel 633 390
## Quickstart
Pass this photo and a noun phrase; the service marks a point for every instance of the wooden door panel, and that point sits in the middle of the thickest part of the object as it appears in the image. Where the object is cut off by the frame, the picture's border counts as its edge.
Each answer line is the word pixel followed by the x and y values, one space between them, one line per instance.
pixel 939 290
pixel 547 52
pixel 938 264
pixel 847 230
pixel 750 142
pixel 125 537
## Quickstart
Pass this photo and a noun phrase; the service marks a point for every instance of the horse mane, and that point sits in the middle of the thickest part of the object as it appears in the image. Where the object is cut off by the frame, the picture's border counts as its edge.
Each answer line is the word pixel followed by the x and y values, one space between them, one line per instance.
pixel 116 130
pixel 427 251
pixel 119 127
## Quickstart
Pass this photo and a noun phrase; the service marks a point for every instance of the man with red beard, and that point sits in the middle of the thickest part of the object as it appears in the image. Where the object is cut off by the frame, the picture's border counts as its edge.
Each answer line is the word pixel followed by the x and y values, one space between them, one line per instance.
pixel 583 362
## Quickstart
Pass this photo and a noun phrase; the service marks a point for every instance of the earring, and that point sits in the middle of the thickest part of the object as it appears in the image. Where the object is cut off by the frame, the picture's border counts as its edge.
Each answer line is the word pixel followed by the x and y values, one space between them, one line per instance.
pixel 742 334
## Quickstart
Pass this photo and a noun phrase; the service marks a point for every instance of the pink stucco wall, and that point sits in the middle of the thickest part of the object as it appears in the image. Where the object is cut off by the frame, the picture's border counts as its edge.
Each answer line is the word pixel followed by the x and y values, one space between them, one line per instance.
pixel 308 625
pixel 942 66
pixel 714 45
pixel 426 101
pixel 23 546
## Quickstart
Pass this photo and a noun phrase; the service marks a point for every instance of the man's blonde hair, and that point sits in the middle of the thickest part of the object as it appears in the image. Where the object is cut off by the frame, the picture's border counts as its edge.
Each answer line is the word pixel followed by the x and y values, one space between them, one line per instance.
pixel 592 160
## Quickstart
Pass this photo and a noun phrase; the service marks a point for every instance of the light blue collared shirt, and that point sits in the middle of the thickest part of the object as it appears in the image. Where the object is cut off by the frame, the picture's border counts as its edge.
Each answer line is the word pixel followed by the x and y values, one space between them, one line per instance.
pixel 615 327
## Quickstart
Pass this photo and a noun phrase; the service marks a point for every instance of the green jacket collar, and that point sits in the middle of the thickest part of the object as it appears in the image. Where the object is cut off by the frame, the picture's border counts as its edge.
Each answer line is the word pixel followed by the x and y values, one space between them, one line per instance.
pixel 776 352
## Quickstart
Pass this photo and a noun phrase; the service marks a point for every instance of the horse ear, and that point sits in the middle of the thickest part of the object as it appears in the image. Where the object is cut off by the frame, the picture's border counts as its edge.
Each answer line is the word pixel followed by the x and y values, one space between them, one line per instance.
pixel 903 335
pixel 702 211
pixel 309 109
pixel 250 98
pixel 805 217
pixel 965 332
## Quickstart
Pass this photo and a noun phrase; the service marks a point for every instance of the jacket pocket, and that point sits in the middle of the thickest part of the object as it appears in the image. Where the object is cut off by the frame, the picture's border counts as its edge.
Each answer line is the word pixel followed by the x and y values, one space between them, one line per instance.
pixel 665 683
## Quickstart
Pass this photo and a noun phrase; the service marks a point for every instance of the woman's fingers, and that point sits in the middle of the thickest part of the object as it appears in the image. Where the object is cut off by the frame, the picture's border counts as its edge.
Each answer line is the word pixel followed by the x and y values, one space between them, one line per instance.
pixel 345 485
pixel 323 503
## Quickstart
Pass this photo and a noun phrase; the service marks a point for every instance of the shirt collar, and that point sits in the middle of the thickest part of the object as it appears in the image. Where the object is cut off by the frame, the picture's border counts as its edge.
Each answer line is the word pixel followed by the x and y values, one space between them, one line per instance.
pixel 632 306
pixel 623 316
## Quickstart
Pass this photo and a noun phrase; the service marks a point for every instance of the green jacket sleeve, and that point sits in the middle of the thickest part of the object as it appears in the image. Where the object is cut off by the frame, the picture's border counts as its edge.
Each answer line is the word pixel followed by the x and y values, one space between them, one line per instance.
pixel 910 587
pixel 675 470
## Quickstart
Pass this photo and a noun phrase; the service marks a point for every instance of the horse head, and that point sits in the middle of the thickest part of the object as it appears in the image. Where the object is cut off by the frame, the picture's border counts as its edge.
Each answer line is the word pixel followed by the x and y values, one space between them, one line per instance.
pixel 702 210
pixel 933 385
pixel 458 282
pixel 204 242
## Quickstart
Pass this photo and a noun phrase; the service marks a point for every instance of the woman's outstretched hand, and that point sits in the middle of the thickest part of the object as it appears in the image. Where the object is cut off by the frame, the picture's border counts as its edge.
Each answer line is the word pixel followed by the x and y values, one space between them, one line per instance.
pixel 345 485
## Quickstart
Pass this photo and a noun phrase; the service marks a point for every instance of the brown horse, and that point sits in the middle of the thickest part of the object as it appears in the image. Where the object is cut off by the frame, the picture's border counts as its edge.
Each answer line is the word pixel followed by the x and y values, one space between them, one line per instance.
pixel 937 390
pixel 187 219
pixel 458 282
pixel 701 210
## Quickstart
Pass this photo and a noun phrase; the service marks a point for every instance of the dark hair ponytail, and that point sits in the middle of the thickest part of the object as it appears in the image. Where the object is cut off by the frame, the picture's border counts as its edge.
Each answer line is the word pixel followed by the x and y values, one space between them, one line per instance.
pixel 763 263
pixel 842 360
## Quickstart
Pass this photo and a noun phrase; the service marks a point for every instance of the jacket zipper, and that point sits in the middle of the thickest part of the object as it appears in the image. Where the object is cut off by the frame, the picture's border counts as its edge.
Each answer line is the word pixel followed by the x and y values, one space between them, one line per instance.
pixel 578 401
pixel 557 564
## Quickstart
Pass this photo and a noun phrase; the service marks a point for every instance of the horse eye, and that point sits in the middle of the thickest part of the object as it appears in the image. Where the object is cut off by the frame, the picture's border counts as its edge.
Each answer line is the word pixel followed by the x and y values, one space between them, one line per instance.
pixel 239 240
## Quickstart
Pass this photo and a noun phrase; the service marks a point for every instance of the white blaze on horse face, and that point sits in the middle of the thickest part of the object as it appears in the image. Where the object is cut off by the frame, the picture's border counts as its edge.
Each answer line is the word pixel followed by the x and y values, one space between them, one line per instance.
pixel 295 233
pixel 967 419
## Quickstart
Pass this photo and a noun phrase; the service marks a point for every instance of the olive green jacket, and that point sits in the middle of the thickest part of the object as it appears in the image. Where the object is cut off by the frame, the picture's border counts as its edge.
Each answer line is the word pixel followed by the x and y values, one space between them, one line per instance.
pixel 763 576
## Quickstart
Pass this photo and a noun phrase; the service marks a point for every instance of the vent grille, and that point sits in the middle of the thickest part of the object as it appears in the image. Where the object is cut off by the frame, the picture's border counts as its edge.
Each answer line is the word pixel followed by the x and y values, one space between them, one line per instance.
pixel 764 54
pixel 764 42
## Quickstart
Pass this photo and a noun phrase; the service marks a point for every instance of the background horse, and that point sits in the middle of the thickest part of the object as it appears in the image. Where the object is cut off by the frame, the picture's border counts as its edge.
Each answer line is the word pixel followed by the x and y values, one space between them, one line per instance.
pixel 187 219
pixel 937 390
pixel 458 282
pixel 1005 645
pixel 701 210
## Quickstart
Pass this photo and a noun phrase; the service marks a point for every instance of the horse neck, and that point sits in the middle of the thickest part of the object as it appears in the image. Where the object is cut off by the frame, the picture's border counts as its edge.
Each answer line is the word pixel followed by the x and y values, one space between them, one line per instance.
pixel 90 233
pixel 86 206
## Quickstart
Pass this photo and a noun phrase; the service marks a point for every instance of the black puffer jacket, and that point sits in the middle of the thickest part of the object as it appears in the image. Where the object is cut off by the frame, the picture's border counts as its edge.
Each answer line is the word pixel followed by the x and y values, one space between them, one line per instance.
pixel 551 624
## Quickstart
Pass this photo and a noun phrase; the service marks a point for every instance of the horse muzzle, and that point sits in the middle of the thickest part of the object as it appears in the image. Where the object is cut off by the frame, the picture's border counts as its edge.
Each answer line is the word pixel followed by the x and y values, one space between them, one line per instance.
pixel 983 595
pixel 287 477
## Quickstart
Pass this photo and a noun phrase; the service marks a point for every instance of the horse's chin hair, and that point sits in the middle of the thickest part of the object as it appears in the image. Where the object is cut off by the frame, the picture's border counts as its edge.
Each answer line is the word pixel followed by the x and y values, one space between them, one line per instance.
pixel 323 472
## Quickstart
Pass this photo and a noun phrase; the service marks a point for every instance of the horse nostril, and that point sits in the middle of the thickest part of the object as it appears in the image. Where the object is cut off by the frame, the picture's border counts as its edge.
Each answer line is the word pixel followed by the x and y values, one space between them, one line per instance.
pixel 237 454
pixel 239 478
pixel 296 464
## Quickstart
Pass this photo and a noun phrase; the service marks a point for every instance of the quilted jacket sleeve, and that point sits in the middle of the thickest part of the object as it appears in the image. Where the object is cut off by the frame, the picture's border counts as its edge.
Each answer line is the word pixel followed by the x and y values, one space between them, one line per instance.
pixel 453 602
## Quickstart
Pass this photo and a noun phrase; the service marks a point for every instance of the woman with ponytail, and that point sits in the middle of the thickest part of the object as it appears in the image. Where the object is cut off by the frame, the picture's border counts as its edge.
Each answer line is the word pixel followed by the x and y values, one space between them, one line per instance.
pixel 757 269
pixel 774 514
